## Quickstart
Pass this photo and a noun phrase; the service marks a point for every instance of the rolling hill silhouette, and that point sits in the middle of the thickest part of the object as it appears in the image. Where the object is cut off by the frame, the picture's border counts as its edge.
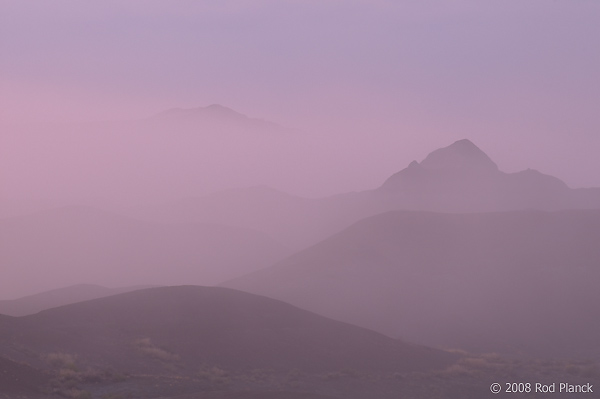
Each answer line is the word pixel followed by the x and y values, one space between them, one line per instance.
pixel 512 282
pixel 174 341
pixel 212 325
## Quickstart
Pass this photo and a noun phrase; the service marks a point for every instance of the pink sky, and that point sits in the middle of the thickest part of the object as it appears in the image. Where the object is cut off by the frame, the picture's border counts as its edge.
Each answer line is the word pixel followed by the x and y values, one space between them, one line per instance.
pixel 382 82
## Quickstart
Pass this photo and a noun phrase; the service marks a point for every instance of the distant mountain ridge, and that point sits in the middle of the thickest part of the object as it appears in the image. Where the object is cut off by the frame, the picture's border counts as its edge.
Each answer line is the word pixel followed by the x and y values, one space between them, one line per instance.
pixel 462 178
pixel 211 111
pixel 458 178
pixel 214 115
pixel 463 154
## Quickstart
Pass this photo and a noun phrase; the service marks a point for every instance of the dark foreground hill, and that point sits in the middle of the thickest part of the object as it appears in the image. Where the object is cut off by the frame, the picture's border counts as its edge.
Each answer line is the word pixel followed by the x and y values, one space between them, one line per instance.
pixel 209 325
pixel 20 380
pixel 77 245
pixel 215 343
pixel 200 339
pixel 224 393
pixel 515 282
pixel 253 395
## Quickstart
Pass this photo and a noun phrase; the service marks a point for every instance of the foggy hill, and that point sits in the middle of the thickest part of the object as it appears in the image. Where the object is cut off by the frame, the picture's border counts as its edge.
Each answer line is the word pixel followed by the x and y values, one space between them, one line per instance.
pixel 191 327
pixel 456 178
pixel 175 154
pixel 78 245
pixel 516 282
pixel 212 116
pixel 63 296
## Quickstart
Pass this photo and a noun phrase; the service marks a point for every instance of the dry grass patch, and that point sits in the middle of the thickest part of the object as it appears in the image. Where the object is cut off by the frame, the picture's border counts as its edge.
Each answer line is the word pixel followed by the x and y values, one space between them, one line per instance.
pixel 146 347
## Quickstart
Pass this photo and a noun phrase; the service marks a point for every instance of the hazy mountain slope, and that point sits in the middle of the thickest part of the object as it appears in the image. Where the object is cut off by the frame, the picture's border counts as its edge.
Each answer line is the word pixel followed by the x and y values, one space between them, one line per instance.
pixel 63 296
pixel 456 178
pixel 82 245
pixel 507 282
pixel 194 326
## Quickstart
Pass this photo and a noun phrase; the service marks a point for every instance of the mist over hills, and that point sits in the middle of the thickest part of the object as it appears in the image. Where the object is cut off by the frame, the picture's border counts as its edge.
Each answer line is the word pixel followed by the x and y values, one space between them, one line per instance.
pixel 456 178
pixel 175 154
pixel 76 245
pixel 511 282
pixel 520 280
pixel 299 199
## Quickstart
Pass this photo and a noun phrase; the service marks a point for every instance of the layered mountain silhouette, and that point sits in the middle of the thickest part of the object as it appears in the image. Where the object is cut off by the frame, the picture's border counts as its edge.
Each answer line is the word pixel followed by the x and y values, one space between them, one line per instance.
pixel 458 178
pixel 522 282
pixel 77 245
pixel 450 252
pixel 171 155
pixel 462 178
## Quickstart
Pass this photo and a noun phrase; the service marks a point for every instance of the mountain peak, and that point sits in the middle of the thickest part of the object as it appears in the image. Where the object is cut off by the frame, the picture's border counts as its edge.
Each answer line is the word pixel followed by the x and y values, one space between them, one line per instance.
pixel 462 154
pixel 211 111
pixel 220 110
pixel 214 116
